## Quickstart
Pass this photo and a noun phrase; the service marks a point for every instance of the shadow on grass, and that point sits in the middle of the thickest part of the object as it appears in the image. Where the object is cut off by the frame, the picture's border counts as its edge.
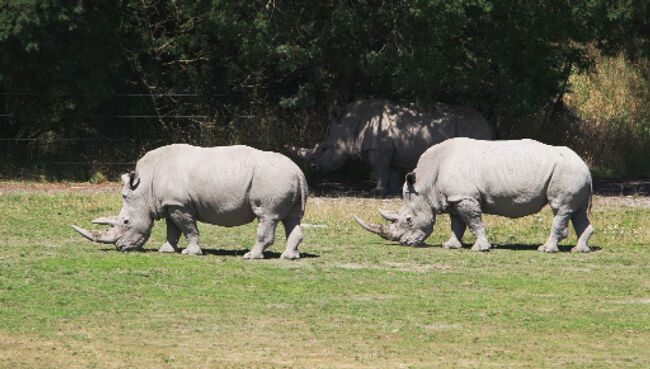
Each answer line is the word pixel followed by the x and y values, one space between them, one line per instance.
pixel 224 252
pixel 513 246
pixel 533 247
pixel 241 252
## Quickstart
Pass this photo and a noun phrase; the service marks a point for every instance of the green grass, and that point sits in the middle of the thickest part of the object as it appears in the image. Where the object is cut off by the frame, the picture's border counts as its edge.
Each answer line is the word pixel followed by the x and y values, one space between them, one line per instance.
pixel 355 302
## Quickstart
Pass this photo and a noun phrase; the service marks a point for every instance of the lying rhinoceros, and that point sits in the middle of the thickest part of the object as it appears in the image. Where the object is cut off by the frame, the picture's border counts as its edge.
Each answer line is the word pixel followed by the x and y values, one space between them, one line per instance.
pixel 389 137
pixel 466 177
pixel 226 186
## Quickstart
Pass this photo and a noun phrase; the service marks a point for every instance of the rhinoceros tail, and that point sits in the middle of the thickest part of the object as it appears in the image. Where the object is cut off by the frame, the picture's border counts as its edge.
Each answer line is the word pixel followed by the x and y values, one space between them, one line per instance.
pixel 591 195
pixel 303 193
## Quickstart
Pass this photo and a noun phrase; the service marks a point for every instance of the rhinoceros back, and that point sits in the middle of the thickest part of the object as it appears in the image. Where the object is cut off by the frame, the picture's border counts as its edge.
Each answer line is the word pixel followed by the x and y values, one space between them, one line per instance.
pixel 413 132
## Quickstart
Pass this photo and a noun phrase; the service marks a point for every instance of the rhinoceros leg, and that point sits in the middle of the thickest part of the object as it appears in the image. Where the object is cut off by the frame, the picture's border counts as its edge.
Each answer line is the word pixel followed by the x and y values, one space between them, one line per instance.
pixel 294 237
pixel 469 211
pixel 457 230
pixel 583 229
pixel 395 182
pixel 264 238
pixel 173 234
pixel 559 231
pixel 380 162
pixel 185 220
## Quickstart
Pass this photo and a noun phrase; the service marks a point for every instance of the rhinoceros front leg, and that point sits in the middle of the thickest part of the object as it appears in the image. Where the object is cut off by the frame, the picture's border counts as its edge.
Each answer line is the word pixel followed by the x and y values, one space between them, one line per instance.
pixel 263 239
pixel 380 162
pixel 457 230
pixel 469 210
pixel 173 234
pixel 185 220
pixel 395 181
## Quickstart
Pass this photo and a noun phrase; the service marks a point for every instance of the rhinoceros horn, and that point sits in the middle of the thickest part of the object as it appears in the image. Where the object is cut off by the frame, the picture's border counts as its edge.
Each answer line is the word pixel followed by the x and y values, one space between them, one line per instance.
pixel 301 152
pixel 110 235
pixel 391 217
pixel 112 221
pixel 377 229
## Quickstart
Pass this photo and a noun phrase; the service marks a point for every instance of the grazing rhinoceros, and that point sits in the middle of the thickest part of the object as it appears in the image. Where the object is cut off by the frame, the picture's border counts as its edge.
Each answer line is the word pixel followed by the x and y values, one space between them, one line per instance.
pixel 466 177
pixel 389 136
pixel 226 186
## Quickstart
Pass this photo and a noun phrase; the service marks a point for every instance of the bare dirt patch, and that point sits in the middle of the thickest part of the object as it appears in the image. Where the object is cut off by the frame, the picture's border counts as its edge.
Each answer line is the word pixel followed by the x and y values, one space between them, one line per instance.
pixel 11 187
pixel 622 201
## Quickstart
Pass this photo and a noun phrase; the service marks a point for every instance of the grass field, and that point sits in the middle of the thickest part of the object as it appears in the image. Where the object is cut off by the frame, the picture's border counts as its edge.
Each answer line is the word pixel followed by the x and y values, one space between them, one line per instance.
pixel 353 301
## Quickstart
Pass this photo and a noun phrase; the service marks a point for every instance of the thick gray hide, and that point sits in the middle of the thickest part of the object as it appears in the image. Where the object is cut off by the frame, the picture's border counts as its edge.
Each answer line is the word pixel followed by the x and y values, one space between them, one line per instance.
pixel 226 186
pixel 466 177
pixel 390 137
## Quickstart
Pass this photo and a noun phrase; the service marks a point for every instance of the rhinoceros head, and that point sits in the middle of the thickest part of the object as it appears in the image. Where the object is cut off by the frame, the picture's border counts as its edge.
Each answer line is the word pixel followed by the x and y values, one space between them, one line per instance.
pixel 414 222
pixel 337 148
pixel 131 229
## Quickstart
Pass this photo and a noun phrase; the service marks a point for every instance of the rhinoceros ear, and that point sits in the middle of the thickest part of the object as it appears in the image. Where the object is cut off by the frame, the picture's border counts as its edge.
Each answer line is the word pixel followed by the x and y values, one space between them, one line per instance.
pixel 410 182
pixel 410 178
pixel 135 180
pixel 131 179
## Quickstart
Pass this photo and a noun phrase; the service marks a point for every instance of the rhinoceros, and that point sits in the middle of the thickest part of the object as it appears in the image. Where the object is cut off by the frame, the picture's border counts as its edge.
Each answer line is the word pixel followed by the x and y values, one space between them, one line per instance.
pixel 226 186
pixel 466 178
pixel 390 137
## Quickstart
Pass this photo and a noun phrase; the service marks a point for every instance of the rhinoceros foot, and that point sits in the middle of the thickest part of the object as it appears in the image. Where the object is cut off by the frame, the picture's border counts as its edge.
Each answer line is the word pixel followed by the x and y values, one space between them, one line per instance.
pixel 452 244
pixel 253 255
pixel 481 245
pixel 548 248
pixel 290 254
pixel 193 250
pixel 167 247
pixel 378 192
pixel 581 248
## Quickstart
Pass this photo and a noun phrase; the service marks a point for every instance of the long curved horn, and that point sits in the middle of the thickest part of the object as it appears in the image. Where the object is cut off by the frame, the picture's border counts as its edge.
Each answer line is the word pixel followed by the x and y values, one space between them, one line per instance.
pixel 391 217
pixel 377 229
pixel 112 221
pixel 110 235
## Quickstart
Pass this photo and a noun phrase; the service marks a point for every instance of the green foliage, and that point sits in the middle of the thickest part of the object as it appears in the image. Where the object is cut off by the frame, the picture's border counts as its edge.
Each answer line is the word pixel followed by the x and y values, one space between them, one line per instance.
pixel 280 67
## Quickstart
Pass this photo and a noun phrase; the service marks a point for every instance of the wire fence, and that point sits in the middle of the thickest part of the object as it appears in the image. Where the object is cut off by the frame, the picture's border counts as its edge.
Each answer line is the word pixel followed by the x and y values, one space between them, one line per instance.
pixel 77 154
pixel 81 134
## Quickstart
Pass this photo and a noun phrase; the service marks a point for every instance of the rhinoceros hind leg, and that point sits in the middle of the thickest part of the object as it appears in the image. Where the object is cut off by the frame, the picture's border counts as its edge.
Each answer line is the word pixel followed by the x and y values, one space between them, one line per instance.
pixel 264 238
pixel 173 234
pixel 457 230
pixel 294 237
pixel 583 229
pixel 469 210
pixel 559 231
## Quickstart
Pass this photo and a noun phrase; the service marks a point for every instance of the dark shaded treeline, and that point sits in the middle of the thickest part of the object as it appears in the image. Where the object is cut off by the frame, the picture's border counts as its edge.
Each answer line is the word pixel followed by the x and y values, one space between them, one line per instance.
pixel 266 73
